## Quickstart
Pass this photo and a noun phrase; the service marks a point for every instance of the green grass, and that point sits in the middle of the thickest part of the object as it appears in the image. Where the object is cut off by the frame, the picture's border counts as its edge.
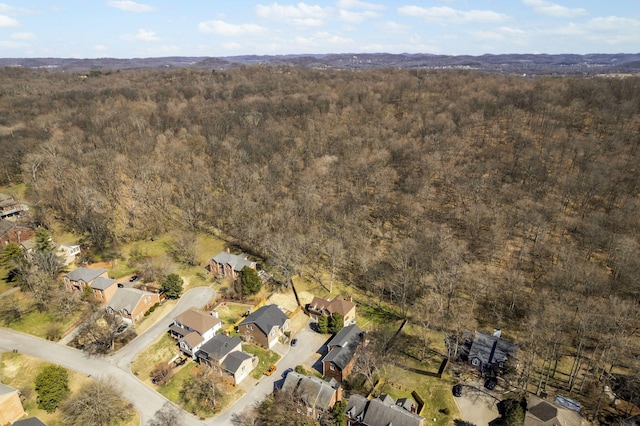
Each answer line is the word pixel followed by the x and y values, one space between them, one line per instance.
pixel 265 356
pixel 230 313
pixel 37 323
pixel 171 390
pixel 163 349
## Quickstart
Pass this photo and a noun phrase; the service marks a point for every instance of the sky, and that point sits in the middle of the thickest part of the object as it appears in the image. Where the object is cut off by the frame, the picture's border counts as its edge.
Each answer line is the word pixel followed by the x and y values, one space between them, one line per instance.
pixel 155 28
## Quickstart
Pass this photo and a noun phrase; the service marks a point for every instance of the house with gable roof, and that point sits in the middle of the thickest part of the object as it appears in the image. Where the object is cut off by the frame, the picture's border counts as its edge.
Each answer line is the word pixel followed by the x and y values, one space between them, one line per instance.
pixel 314 394
pixel 238 365
pixel 214 351
pixel 491 352
pixel 10 405
pixel 104 288
pixel 192 328
pixel 80 278
pixel 229 265
pixel 131 303
pixel 381 411
pixel 339 304
pixel 341 356
pixel 264 326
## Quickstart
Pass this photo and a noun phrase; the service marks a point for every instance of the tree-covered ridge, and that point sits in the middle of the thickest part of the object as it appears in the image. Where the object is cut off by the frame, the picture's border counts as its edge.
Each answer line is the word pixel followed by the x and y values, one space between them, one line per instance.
pixel 455 196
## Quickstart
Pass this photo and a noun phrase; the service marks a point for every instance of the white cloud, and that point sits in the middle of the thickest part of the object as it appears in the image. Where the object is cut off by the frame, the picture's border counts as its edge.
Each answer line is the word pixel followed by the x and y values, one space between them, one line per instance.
pixel 4 44
pixel 231 46
pixel 322 39
pixel 355 17
pixel 130 6
pixel 6 21
pixel 502 33
pixel 300 15
pixel 547 8
pixel 142 35
pixel 357 4
pixel 227 29
pixel 23 36
pixel 99 48
pixel 393 27
pixel 444 15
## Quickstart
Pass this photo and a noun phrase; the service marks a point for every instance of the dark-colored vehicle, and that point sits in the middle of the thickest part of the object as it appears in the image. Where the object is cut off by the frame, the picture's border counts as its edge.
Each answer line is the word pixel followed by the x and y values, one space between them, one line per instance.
pixel 457 390
pixel 294 342
pixel 491 383
pixel 133 278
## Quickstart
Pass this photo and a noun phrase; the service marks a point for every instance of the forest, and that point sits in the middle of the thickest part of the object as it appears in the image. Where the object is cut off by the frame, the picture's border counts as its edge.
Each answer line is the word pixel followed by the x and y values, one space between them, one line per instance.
pixel 464 200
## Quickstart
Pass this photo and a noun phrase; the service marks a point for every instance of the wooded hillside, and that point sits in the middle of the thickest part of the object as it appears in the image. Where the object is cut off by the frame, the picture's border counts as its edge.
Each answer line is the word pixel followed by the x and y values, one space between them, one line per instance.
pixel 464 199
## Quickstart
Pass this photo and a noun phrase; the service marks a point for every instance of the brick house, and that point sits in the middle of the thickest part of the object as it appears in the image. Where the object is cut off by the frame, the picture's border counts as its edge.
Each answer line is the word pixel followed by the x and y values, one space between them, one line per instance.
pixel 82 277
pixel 264 326
pixel 313 394
pixel 131 303
pixel 229 265
pixel 104 288
pixel 341 353
pixel 339 304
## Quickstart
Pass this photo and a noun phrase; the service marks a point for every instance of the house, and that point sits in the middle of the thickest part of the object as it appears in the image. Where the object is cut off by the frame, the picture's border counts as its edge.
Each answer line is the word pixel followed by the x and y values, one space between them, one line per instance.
pixel 344 307
pixel 10 232
pixel 69 252
pixel 192 328
pixel 131 303
pixel 381 411
pixel 490 352
pixel 342 348
pixel 10 405
pixel 31 421
pixel 9 206
pixel 214 351
pixel 229 265
pixel 82 277
pixel 312 393
pixel 264 326
pixel 238 365
pixel 104 288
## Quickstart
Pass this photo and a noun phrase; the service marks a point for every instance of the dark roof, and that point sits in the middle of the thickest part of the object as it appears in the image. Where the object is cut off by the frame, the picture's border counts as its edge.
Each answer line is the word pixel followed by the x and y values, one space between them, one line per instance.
pixel 380 412
pixel 544 411
pixel 234 360
pixel 236 261
pixel 218 347
pixel 178 330
pixel 266 318
pixel 313 391
pixel 102 283
pixel 343 346
pixel 85 274
pixel 31 421
pixel 491 349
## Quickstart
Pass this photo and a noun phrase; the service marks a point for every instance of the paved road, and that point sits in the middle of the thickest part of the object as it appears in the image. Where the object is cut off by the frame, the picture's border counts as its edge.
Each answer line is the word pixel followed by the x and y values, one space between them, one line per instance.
pixel 303 353
pixel 146 400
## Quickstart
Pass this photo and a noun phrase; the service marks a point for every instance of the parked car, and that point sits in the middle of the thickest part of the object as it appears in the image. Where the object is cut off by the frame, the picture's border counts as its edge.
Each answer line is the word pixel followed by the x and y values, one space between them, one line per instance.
pixel 270 370
pixel 491 383
pixel 294 342
pixel 457 390
pixel 133 278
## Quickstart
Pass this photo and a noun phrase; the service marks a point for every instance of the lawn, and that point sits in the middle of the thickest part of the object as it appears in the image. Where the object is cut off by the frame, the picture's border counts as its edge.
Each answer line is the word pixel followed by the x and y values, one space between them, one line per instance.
pixel 265 356
pixel 163 349
pixel 19 371
pixel 230 313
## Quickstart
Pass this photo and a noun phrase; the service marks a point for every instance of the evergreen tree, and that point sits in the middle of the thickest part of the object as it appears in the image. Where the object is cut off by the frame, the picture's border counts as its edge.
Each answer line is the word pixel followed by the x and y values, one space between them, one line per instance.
pixel 251 282
pixel 44 243
pixel 338 414
pixel 336 322
pixel 172 286
pixel 52 385
pixel 323 324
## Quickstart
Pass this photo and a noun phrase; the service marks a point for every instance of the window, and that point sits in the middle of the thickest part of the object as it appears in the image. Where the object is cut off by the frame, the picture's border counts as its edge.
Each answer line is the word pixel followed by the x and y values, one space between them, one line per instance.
pixel 475 362
pixel 332 367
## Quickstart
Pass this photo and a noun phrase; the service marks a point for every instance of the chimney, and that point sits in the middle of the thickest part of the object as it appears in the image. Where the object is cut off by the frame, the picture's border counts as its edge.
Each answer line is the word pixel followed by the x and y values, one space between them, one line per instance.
pixel 497 332
pixel 228 250
pixel 214 314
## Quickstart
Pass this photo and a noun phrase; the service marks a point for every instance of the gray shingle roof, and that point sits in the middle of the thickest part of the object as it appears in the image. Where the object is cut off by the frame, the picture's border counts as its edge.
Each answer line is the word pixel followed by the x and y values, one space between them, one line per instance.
pixel 491 349
pixel 127 299
pixel 32 421
pixel 266 317
pixel 218 347
pixel 313 391
pixel 85 274
pixel 234 360
pixel 102 283
pixel 378 412
pixel 236 261
pixel 4 389
pixel 343 346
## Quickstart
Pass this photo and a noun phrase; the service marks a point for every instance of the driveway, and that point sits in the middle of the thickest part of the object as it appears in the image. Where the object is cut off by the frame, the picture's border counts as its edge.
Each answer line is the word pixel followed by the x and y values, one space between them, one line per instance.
pixel 476 405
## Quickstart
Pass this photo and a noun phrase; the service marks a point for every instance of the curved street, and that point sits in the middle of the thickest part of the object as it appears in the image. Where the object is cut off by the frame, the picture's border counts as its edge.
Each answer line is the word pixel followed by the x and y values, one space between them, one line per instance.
pixel 146 400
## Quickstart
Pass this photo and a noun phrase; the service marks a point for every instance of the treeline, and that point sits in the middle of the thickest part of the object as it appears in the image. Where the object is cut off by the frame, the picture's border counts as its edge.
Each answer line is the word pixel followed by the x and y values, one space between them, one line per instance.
pixel 455 196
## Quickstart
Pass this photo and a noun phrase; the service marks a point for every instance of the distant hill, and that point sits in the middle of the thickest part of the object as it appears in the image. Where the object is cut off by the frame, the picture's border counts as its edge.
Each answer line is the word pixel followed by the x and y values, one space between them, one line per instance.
pixel 517 63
